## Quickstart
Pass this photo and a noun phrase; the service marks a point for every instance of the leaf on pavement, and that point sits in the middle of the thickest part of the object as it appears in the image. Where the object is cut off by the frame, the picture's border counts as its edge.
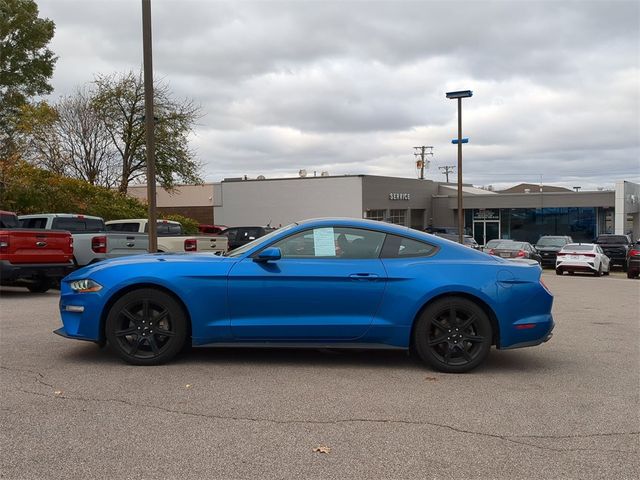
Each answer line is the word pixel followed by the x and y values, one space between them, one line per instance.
pixel 322 449
pixel 431 379
pixel 58 392
pixel 188 385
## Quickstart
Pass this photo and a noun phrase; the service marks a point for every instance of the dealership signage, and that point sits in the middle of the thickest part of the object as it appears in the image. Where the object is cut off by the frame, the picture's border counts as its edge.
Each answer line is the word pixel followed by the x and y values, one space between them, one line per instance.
pixel 399 196
pixel 486 214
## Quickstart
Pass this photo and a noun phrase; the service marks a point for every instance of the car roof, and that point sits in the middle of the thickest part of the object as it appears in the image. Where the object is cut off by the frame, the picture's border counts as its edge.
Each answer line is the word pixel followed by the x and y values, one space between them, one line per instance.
pixel 60 215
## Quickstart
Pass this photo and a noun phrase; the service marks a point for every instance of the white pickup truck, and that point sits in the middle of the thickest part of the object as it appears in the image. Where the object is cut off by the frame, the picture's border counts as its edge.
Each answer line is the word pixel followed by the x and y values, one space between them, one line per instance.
pixel 171 236
pixel 91 241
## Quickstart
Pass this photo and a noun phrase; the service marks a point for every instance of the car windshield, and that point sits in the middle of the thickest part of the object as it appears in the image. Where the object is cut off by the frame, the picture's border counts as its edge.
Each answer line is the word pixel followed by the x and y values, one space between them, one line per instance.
pixel 551 242
pixel 612 239
pixel 240 250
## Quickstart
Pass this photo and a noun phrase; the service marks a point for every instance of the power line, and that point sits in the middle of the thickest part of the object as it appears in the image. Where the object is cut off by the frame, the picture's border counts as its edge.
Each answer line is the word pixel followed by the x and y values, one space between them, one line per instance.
pixel 446 170
pixel 419 154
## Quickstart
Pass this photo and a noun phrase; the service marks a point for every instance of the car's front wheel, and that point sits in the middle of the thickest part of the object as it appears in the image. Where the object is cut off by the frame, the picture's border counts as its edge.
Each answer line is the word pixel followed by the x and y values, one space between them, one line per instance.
pixel 146 327
pixel 453 335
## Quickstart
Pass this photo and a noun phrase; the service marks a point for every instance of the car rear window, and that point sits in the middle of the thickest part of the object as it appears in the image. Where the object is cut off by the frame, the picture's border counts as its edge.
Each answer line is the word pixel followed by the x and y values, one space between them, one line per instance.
pixel 123 227
pixel 78 224
pixel 8 221
pixel 578 248
pixel 510 245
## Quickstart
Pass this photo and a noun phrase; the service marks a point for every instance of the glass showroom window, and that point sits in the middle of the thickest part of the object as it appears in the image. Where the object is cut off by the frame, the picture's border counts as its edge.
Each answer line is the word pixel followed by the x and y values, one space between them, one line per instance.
pixel 397 216
pixel 376 215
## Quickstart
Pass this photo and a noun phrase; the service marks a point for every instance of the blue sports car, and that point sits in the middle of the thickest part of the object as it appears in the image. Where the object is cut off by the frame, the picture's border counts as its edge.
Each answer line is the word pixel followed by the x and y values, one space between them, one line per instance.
pixel 319 283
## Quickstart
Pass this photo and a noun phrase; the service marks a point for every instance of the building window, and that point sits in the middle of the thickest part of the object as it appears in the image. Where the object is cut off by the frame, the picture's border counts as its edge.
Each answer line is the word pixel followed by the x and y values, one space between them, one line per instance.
pixel 398 216
pixel 376 215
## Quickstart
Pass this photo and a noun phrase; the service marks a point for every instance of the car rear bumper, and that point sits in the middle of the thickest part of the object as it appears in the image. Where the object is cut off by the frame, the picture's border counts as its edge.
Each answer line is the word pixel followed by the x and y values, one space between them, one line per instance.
pixel 576 266
pixel 529 332
pixel 11 272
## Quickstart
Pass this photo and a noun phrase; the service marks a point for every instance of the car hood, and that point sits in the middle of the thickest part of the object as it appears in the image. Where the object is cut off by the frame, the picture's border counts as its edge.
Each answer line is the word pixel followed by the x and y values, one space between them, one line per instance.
pixel 148 258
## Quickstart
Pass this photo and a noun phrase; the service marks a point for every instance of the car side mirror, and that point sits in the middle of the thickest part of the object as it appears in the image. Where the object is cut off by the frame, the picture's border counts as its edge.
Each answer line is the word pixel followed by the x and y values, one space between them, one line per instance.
pixel 268 254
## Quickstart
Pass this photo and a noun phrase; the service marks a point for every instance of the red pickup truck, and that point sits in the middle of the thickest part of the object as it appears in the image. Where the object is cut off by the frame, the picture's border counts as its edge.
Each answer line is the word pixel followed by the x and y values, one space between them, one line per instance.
pixel 33 258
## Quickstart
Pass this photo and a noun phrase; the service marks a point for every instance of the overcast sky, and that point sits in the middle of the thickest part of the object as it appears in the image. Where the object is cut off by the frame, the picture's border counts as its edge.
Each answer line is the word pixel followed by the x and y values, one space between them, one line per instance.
pixel 352 87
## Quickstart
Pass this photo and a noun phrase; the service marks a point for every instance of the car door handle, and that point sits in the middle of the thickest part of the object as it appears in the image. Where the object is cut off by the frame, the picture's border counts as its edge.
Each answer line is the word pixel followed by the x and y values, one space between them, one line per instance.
pixel 363 276
pixel 131 244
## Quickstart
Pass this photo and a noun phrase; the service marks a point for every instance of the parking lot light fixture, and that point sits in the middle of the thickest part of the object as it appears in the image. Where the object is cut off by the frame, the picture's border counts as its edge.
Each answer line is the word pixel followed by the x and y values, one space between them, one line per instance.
pixel 459 95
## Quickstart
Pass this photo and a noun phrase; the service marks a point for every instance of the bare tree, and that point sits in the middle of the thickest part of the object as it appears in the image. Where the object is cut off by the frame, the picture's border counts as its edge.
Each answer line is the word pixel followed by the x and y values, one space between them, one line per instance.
pixel 70 138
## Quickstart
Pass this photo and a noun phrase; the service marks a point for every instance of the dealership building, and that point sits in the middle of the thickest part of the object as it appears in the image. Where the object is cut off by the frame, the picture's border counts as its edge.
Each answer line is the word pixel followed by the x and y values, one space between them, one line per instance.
pixel 523 213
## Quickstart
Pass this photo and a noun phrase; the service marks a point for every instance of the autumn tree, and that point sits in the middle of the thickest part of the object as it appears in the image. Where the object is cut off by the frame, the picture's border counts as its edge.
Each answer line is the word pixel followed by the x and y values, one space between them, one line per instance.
pixel 120 100
pixel 26 64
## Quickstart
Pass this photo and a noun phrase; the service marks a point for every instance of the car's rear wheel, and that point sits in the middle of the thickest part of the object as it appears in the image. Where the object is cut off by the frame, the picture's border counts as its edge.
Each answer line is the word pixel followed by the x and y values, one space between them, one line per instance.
pixel 453 335
pixel 146 327
pixel 598 273
pixel 558 271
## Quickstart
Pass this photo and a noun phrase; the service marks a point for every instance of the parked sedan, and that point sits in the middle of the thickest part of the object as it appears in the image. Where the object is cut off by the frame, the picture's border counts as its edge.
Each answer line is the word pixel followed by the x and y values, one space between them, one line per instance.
pixel 633 261
pixel 319 283
pixel 582 257
pixel 491 244
pixel 516 250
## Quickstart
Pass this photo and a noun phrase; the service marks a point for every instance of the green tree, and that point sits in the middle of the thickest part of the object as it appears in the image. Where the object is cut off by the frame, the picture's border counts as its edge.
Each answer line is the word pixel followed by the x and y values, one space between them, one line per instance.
pixel 120 100
pixel 26 64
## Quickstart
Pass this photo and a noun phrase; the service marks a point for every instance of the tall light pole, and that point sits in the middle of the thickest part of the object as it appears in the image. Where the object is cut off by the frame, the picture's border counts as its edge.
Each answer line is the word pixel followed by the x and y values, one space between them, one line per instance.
pixel 149 125
pixel 459 95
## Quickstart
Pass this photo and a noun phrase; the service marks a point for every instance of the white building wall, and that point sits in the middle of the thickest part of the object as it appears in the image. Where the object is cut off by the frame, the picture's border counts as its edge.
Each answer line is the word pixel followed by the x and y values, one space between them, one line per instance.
pixel 627 204
pixel 259 202
pixel 182 196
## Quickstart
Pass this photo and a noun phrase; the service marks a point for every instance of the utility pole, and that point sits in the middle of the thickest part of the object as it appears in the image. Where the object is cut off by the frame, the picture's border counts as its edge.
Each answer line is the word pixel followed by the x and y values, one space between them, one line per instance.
pixel 447 169
pixel 420 153
pixel 149 124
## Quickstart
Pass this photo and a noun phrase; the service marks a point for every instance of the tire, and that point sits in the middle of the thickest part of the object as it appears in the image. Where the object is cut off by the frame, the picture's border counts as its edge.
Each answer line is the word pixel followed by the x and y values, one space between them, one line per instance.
pixel 146 327
pixel 630 275
pixel 41 286
pixel 558 271
pixel 598 273
pixel 453 335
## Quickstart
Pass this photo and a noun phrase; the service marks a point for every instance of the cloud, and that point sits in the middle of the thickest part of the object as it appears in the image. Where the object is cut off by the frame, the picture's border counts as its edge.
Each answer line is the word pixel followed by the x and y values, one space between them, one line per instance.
pixel 351 87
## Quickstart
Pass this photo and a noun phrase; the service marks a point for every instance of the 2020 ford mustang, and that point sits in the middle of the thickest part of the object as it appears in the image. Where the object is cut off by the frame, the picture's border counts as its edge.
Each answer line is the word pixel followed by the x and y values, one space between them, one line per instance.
pixel 318 283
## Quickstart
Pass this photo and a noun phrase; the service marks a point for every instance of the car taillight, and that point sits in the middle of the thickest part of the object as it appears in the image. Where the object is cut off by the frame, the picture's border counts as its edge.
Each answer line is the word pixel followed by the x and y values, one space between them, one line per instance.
pixel 560 254
pixel 588 254
pixel 71 244
pixel 634 253
pixel 520 253
pixel 4 243
pixel 99 244
pixel 190 245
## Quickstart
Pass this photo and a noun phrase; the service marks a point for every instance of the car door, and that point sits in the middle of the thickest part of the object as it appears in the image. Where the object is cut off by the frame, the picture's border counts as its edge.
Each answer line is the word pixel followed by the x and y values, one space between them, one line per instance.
pixel 326 287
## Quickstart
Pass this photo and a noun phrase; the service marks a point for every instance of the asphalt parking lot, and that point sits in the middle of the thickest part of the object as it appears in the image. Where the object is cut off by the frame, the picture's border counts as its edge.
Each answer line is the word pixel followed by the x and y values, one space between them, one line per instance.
pixel 566 409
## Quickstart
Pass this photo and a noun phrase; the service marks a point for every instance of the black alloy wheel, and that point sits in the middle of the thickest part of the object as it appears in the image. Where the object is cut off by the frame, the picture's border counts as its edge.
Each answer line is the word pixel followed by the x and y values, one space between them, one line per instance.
pixel 558 271
pixel 598 273
pixel 453 335
pixel 146 327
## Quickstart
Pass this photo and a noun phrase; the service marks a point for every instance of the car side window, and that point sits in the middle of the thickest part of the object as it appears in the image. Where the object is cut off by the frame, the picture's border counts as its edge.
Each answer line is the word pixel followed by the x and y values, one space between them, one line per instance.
pixel 396 246
pixel 332 242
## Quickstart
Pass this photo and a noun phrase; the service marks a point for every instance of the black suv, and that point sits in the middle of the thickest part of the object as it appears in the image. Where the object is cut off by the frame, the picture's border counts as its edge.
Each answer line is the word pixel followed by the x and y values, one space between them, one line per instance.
pixel 616 247
pixel 239 236
pixel 548 247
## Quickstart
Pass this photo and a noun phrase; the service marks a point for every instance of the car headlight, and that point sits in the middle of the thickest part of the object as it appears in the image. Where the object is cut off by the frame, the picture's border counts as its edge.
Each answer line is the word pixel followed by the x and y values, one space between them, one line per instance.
pixel 85 286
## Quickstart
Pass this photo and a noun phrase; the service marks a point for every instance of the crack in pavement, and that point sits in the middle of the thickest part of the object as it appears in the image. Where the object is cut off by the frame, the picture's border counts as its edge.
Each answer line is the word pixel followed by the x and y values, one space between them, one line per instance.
pixel 516 439
pixel 507 438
